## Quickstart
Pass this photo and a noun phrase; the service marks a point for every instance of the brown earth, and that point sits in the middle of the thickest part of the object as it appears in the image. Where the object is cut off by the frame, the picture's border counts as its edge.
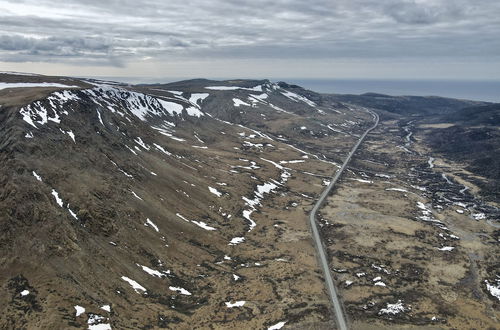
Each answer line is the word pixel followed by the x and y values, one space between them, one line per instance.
pixel 378 232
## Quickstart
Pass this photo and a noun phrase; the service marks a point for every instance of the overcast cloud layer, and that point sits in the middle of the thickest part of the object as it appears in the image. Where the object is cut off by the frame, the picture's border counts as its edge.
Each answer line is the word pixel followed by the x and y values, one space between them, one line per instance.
pixel 287 38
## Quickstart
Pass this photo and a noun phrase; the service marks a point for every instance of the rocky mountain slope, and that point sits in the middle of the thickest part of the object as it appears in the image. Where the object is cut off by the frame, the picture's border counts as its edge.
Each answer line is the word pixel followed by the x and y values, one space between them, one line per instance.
pixel 185 206
pixel 177 206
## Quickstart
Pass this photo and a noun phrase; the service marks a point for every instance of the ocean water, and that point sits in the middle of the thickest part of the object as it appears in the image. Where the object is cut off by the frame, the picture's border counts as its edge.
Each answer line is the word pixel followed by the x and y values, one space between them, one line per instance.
pixel 472 90
pixel 461 89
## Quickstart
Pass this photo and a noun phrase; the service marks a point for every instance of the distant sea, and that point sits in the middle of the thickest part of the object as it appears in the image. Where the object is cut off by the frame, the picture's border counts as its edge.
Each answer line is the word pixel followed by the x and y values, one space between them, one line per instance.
pixel 472 90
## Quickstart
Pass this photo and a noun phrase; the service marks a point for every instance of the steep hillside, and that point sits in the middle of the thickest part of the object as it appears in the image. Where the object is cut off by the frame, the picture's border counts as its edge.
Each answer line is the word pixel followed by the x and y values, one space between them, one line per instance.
pixel 177 206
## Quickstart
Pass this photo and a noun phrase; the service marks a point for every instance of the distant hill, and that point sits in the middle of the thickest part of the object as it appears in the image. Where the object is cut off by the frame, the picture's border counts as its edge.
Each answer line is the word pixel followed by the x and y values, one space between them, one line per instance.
pixel 407 105
pixel 479 115
pixel 473 139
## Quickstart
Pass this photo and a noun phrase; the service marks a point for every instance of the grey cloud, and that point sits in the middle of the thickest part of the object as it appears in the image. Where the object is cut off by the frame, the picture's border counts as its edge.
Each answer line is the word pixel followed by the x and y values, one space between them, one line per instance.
pixel 15 43
pixel 123 31
pixel 54 45
pixel 413 12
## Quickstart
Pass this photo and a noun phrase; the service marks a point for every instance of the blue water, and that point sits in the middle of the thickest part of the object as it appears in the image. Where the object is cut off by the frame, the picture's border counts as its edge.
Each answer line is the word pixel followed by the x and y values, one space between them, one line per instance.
pixel 472 90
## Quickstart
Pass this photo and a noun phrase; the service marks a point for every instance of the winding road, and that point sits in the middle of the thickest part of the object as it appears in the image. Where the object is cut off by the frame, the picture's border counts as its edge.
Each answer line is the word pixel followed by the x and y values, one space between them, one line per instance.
pixel 332 289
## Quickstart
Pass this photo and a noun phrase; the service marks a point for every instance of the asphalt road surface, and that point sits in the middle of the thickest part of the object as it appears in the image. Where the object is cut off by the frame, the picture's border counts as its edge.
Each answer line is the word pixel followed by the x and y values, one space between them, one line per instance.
pixel 332 289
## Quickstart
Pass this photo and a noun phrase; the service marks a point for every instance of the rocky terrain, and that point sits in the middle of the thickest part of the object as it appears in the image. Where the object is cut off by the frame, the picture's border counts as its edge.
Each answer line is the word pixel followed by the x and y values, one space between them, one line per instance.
pixel 164 206
pixel 185 206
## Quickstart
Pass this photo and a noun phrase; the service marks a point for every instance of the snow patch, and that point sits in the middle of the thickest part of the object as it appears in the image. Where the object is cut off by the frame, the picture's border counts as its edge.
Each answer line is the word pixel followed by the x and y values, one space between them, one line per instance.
pixel 446 248
pixel 99 117
pixel 215 191
pixel 238 102
pixel 106 308
pixel 150 223
pixel 277 326
pixel 235 304
pixel 363 181
pixel 72 213
pixel 494 290
pixel 203 225
pixel 194 112
pixel 200 224
pixel 79 310
pixel 430 162
pixel 393 308
pixel 236 240
pixel 95 322
pixel 397 189
pixel 154 272
pixel 136 286
pixel 39 178
pixel 182 217
pixel 139 141
pixel 57 198
pixel 253 203
pixel 296 97
pixel 135 195
pixel 180 290
pixel 159 147
pixel 479 216
pixel 198 97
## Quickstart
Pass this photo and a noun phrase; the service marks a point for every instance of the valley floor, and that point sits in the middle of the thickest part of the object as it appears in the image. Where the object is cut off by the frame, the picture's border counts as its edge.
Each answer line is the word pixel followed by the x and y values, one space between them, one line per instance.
pixel 409 239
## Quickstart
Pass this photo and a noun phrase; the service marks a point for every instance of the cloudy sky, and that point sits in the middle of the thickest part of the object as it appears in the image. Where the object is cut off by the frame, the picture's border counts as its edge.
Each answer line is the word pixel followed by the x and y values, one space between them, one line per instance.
pixel 395 39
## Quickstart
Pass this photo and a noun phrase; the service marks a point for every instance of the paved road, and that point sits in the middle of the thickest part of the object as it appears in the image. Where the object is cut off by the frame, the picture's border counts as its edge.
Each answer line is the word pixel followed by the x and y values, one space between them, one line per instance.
pixel 332 290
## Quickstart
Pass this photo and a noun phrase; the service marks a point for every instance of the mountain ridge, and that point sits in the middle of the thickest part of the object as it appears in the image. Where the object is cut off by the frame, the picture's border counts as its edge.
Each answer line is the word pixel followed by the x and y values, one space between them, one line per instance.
pixel 123 192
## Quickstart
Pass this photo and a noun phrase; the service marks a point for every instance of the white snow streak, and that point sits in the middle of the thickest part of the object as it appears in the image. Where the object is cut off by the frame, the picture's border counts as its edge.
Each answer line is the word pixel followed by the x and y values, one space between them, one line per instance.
pixel 57 198
pixel 277 326
pixel 136 286
pixel 215 191
pixel 238 102
pixel 180 290
pixel 150 223
pixel 235 304
pixel 39 178
pixel 237 240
